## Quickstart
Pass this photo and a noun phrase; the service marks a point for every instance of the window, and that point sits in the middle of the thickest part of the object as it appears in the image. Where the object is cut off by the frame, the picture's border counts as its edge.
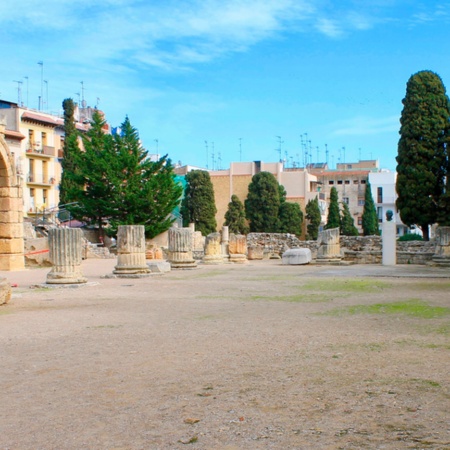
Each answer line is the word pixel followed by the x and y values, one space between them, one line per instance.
pixel 339 181
pixel 349 166
pixel 331 182
pixel 345 200
pixel 379 195
pixel 359 220
pixel 355 181
pixel 361 202
pixel 380 214
pixel 32 192
pixel 347 181
pixel 44 138
pixel 363 181
pixel 45 197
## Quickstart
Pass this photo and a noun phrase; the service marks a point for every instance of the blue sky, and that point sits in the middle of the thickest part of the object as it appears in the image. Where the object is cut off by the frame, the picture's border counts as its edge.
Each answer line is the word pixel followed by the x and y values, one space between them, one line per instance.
pixel 236 74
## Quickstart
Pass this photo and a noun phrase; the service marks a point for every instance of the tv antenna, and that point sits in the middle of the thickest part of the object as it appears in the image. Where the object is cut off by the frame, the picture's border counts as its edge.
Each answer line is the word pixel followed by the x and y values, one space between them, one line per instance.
pixel 19 91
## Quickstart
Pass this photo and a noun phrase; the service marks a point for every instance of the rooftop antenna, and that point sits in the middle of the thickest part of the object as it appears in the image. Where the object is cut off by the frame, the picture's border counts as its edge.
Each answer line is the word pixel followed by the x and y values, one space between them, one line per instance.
pixel 157 147
pixel 279 146
pixel 46 94
pixel 77 93
pixel 240 149
pixel 326 153
pixel 286 157
pixel 41 63
pixel 343 149
pixel 83 103
pixel 98 102
pixel 359 154
pixel 212 155
pixel 317 149
pixel 207 157
pixel 19 91
pixel 310 152
pixel 26 78
pixel 219 159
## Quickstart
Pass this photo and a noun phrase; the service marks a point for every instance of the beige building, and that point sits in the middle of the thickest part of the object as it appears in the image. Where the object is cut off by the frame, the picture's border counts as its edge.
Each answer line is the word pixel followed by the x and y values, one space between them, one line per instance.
pixel 300 185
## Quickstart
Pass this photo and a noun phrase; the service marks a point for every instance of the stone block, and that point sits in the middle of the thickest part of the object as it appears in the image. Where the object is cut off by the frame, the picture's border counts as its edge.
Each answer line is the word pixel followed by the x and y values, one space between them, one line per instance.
pixel 11 246
pixel 8 231
pixel 255 253
pixel 297 256
pixel 10 204
pixel 159 266
pixel 5 291
pixel 12 262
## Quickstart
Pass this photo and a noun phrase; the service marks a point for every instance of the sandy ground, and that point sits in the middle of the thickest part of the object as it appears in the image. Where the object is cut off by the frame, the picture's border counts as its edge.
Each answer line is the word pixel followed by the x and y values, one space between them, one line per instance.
pixel 261 356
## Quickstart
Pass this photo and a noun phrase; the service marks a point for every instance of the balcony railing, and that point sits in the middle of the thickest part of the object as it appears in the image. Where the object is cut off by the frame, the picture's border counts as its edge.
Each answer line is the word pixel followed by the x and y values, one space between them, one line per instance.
pixel 40 178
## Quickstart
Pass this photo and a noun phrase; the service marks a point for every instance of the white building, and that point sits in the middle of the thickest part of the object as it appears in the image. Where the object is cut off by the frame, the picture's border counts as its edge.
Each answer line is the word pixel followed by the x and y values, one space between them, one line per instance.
pixel 384 195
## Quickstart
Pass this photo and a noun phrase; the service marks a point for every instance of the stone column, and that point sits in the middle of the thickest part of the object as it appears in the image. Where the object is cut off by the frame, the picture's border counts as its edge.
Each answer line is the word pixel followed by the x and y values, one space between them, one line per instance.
pixel 238 248
pixel 329 250
pixel 180 249
pixel 131 260
pixel 441 255
pixel 225 242
pixel 389 243
pixel 65 254
pixel 5 291
pixel 213 249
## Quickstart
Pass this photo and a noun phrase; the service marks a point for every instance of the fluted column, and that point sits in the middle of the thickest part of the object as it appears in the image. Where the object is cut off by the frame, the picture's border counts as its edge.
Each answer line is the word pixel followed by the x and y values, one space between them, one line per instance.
pixel 131 251
pixel 330 246
pixel 180 248
pixel 65 255
pixel 238 248
pixel 213 249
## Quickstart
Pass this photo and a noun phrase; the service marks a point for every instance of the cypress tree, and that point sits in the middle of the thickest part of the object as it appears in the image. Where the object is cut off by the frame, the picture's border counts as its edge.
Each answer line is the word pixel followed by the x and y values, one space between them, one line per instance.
pixel 347 223
pixel 263 203
pixel 71 185
pixel 235 216
pixel 369 216
pixel 290 218
pixel 198 205
pixel 314 218
pixel 422 161
pixel 333 219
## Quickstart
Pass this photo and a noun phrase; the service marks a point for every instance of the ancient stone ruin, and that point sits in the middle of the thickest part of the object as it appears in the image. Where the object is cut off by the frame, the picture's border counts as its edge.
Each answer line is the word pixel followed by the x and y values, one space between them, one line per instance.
pixel 329 251
pixel 180 248
pixel 441 255
pixel 213 249
pixel 238 248
pixel 65 249
pixel 131 260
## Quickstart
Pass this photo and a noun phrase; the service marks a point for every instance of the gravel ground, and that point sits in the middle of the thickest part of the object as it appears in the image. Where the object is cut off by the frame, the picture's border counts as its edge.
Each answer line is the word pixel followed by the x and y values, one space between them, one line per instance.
pixel 260 356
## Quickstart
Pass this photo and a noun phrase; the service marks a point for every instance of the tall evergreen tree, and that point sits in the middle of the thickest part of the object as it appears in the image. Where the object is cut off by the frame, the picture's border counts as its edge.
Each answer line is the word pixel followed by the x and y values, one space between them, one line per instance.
pixel 198 205
pixel 347 223
pixel 290 218
pixel 71 181
pixel 422 161
pixel 333 218
pixel 147 192
pixel 369 216
pixel 314 218
pixel 235 216
pixel 262 203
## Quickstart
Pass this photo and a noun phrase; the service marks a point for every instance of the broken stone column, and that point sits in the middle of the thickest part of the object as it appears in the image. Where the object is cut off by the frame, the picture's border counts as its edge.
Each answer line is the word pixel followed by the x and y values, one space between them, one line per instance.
pixel 238 248
pixel 441 255
pixel 213 249
pixel 329 250
pixel 5 291
pixel 180 248
pixel 65 246
pixel 225 242
pixel 131 260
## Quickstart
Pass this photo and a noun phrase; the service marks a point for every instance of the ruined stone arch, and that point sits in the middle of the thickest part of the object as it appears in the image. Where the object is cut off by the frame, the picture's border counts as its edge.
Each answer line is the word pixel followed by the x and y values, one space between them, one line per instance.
pixel 11 211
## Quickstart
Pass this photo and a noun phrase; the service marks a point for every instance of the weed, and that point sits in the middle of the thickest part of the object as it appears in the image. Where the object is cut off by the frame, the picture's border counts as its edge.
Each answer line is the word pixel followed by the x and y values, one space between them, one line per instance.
pixel 299 298
pixel 347 285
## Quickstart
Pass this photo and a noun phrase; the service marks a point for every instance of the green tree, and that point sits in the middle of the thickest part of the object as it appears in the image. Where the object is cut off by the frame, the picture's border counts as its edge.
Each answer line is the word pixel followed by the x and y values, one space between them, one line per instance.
pixel 263 203
pixel 422 161
pixel 235 216
pixel 369 216
pixel 71 181
pixel 347 223
pixel 147 192
pixel 333 218
pixel 198 205
pixel 314 218
pixel 290 218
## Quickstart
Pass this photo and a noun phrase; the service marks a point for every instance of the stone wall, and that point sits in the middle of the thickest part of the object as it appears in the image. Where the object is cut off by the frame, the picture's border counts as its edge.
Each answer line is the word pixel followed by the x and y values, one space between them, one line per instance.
pixel 354 249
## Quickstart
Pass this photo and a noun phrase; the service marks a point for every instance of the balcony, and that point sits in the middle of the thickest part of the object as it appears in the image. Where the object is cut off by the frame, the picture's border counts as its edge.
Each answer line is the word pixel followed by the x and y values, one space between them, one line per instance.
pixel 40 179
pixel 44 152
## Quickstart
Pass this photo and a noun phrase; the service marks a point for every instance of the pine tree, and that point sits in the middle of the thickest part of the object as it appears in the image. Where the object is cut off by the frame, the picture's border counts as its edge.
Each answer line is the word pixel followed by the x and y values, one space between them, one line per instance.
pixel 369 216
pixel 147 192
pixel 235 216
pixel 71 185
pixel 333 219
pixel 263 203
pixel 347 223
pixel 314 218
pixel 290 218
pixel 198 205
pixel 422 161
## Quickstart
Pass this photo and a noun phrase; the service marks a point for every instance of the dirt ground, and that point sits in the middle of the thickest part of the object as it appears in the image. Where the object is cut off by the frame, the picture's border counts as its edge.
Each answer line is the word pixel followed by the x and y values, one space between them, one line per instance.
pixel 261 356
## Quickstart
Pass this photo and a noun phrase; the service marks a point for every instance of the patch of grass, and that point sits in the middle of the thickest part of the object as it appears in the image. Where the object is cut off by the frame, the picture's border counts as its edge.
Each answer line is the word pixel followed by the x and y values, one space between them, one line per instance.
pixel 298 298
pixel 4 312
pixel 347 285
pixel 432 286
pixel 413 307
pixel 272 278
pixel 444 329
